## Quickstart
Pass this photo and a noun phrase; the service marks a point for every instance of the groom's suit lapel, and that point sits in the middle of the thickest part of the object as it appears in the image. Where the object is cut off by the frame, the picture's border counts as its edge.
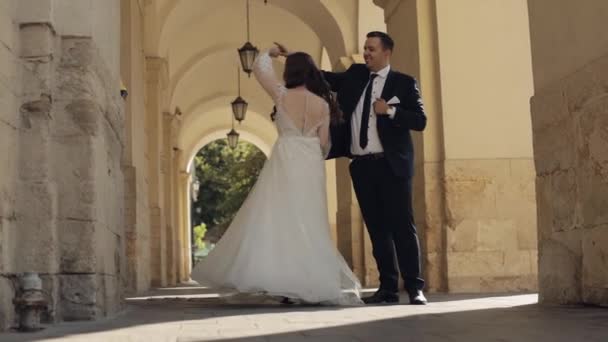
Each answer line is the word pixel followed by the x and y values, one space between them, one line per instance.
pixel 389 85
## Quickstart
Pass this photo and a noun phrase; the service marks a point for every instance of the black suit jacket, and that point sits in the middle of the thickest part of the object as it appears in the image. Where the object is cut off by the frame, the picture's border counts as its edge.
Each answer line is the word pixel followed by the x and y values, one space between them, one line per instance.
pixel 394 133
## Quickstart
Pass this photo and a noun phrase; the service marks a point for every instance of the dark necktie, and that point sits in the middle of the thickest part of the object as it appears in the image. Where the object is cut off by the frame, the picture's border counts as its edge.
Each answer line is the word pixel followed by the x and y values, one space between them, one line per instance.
pixel 366 112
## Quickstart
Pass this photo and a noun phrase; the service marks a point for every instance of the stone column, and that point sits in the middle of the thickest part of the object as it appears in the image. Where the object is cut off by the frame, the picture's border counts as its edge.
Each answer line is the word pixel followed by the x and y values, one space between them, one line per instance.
pixel 137 216
pixel 10 92
pixel 474 195
pixel 155 74
pixel 185 179
pixel 570 123
pixel 184 205
pixel 168 166
pixel 34 244
pixel 69 208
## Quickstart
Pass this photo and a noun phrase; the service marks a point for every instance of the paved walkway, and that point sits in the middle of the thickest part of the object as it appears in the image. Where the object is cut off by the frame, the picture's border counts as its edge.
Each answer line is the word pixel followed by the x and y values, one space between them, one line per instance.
pixel 195 314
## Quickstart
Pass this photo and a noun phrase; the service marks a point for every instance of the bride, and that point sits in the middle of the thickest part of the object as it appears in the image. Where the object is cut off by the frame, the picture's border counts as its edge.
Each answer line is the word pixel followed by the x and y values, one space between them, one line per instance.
pixel 279 242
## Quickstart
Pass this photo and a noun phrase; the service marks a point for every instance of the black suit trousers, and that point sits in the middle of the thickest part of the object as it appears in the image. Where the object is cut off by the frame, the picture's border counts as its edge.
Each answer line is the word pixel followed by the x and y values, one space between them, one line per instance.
pixel 386 205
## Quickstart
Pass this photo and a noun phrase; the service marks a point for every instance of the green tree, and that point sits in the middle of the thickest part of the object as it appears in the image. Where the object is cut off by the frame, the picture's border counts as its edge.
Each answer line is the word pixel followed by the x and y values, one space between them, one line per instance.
pixel 199 234
pixel 226 176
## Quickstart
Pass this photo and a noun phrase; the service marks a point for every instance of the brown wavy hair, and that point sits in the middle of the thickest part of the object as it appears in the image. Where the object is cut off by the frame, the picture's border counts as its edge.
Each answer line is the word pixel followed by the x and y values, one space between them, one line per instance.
pixel 300 69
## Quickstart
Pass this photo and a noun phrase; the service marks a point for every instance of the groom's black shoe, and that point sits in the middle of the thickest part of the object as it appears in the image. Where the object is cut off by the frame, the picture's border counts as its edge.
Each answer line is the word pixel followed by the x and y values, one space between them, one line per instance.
pixel 417 297
pixel 382 296
pixel 287 300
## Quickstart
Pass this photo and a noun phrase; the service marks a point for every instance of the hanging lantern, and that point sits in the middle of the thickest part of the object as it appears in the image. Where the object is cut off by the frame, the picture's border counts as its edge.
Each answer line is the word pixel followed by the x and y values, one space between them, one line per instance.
pixel 239 108
pixel 239 105
pixel 233 138
pixel 248 52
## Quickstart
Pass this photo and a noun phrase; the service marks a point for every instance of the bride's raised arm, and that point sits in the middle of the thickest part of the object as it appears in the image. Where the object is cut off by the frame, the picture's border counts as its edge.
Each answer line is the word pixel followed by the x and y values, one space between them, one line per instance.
pixel 263 71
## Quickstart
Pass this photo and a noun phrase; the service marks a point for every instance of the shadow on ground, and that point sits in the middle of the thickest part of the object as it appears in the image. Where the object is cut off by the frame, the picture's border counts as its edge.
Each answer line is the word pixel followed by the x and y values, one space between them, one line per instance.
pixel 198 314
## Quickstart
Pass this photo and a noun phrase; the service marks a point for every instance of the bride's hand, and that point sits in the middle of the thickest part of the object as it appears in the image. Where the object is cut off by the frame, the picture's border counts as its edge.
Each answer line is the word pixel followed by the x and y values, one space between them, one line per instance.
pixel 282 49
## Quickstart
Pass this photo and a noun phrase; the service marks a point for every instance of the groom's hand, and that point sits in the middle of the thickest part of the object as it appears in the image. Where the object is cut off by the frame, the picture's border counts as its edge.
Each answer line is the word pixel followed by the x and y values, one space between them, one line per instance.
pixel 381 107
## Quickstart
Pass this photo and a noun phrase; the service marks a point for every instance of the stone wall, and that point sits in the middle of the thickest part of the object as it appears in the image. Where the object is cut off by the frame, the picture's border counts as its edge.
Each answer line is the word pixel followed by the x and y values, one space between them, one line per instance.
pixel 570 122
pixel 491 225
pixel 10 89
pixel 66 136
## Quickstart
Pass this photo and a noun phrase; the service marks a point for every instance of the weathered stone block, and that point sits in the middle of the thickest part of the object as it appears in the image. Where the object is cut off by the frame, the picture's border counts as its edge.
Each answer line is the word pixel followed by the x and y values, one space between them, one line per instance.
pixel 434 269
pixel 8 160
pixel 463 237
pixel 586 86
pixel 110 293
pixel 33 155
pixel 9 81
pixel 86 115
pixel 466 264
pixel 595 265
pixel 36 212
pixel 554 133
pixel 7 25
pixel 527 233
pixel 563 195
pixel 78 83
pixel 108 251
pixel 519 283
pixel 518 263
pixel 37 79
pixel 50 286
pixel 469 284
pixel 77 52
pixel 470 189
pixel 78 297
pixel 592 173
pixel 77 245
pixel 75 151
pixel 35 11
pixel 7 311
pixel 433 231
pixel 36 40
pixel 496 235
pixel 78 201
pixel 560 272
pixel 516 196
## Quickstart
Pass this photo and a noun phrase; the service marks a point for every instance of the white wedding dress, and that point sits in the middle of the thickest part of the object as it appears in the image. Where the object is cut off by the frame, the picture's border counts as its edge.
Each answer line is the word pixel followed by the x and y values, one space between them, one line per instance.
pixel 279 242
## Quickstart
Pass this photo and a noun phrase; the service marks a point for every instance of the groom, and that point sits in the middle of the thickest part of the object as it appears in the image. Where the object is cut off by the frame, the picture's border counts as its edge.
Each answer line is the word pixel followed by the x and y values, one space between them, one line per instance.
pixel 381 106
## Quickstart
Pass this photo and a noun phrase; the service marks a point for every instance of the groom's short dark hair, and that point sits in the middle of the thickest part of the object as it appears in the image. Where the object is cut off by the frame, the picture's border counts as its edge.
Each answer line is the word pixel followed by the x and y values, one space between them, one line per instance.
pixel 385 39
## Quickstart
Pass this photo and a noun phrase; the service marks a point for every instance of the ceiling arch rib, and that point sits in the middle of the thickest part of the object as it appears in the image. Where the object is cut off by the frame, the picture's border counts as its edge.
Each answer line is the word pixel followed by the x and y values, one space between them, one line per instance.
pixel 224 81
pixel 313 13
pixel 216 76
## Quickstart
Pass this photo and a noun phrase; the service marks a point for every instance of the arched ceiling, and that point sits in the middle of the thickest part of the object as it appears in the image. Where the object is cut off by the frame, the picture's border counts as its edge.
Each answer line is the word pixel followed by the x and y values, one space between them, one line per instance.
pixel 199 40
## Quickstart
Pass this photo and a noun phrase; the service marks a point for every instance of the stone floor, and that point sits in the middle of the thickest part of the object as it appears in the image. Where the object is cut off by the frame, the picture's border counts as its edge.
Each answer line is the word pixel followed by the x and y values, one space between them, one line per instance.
pixel 197 314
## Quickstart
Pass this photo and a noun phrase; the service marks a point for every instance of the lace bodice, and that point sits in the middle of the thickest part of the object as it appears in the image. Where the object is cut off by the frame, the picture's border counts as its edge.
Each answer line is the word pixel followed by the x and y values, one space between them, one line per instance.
pixel 300 112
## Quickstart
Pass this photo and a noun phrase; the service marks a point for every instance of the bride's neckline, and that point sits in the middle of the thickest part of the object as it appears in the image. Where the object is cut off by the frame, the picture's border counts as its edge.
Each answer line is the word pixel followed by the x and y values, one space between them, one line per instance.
pixel 302 87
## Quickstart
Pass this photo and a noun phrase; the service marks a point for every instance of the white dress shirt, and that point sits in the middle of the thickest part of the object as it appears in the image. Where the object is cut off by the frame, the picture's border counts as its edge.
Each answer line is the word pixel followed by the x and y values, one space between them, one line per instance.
pixel 374 145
